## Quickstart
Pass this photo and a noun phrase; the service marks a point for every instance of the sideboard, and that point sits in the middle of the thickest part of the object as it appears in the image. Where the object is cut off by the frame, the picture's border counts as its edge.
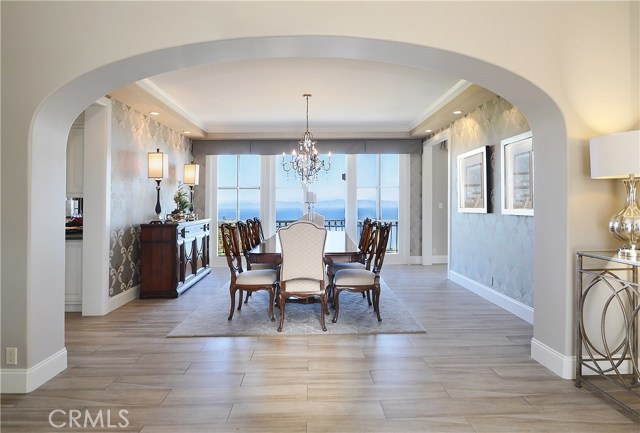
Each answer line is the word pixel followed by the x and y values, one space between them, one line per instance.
pixel 174 256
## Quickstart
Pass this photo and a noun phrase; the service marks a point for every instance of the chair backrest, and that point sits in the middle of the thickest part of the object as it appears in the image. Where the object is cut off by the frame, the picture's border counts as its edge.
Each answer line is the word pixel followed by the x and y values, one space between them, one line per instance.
pixel 258 227
pixel 383 231
pixel 246 243
pixel 254 232
pixel 302 244
pixel 367 226
pixel 231 245
pixel 370 244
pixel 318 219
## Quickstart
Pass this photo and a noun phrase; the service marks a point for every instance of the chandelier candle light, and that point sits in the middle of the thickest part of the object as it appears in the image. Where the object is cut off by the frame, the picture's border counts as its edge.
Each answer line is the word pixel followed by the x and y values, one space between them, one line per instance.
pixel 617 156
pixel 306 163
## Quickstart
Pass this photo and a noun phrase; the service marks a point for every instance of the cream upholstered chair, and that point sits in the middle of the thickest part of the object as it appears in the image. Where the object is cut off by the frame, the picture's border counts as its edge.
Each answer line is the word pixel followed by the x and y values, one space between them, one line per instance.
pixel 302 267
pixel 317 219
pixel 251 281
pixel 363 280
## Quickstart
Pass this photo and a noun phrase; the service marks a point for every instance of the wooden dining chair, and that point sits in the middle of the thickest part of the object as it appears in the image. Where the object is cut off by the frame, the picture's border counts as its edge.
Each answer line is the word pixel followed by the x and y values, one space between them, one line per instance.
pixel 366 250
pixel 302 268
pixel 255 231
pixel 246 244
pixel 241 280
pixel 363 280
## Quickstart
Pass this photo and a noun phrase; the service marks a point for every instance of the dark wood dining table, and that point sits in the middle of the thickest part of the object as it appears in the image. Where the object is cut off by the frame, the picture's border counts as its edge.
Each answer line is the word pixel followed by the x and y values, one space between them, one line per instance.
pixel 339 247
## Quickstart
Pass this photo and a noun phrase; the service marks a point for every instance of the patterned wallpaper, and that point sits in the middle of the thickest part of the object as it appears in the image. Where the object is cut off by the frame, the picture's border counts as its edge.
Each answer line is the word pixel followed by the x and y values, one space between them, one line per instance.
pixel 492 249
pixel 133 195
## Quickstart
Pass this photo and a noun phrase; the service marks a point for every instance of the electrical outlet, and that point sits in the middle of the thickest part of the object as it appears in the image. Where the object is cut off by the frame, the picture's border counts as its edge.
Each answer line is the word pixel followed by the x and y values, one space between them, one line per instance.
pixel 11 356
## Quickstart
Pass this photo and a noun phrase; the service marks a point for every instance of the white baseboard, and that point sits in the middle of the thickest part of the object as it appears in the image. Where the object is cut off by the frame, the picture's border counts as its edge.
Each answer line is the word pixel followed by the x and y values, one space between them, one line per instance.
pixel 123 298
pixel 439 260
pixel 562 365
pixel 414 260
pixel 24 380
pixel 517 308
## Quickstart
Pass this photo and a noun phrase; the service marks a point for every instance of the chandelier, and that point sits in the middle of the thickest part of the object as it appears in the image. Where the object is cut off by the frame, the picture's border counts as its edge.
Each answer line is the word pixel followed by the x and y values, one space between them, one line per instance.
pixel 305 163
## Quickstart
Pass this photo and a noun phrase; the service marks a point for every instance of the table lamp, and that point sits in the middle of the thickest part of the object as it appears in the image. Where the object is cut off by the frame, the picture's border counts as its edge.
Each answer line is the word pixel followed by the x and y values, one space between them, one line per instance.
pixel 191 178
pixel 617 156
pixel 157 169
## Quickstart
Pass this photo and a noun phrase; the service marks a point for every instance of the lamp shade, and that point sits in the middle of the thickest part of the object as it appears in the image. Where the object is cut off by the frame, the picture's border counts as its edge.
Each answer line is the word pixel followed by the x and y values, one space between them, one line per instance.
pixel 191 174
pixel 615 155
pixel 310 197
pixel 158 165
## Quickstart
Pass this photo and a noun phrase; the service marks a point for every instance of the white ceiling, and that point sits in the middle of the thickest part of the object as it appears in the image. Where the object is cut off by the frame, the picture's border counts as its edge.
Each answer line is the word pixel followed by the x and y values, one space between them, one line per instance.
pixel 263 97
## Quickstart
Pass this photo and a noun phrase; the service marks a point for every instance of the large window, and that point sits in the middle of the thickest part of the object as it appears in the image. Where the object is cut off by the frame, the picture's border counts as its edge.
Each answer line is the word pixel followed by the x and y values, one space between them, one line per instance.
pixel 238 187
pixel 330 194
pixel 378 191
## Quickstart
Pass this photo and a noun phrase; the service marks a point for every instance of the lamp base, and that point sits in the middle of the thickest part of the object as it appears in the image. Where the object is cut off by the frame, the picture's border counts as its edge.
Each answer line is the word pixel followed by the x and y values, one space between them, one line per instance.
pixel 625 225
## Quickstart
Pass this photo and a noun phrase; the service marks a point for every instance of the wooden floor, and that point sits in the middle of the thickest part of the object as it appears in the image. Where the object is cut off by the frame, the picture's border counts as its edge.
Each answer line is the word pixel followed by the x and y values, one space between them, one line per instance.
pixel 471 372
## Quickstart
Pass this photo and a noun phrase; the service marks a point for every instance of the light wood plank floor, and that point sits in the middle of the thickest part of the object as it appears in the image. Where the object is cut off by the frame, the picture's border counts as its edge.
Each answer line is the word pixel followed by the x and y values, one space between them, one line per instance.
pixel 471 372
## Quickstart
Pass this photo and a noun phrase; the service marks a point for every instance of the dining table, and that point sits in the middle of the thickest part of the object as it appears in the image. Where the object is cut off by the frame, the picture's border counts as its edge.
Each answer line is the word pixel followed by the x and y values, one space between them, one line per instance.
pixel 338 247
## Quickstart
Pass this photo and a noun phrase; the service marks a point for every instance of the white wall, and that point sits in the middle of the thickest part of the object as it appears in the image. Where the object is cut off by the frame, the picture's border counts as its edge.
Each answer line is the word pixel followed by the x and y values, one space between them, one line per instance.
pixel 552 60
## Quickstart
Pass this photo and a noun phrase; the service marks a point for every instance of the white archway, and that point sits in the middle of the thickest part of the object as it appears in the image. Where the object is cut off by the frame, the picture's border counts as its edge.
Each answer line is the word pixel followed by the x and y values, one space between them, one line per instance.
pixel 45 336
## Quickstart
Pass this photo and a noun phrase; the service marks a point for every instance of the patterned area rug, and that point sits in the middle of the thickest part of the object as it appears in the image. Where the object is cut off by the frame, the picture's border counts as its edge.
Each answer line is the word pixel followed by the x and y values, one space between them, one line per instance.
pixel 356 317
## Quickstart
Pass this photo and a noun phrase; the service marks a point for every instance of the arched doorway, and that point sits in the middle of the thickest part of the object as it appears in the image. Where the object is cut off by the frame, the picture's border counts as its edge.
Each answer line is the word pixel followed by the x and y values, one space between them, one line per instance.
pixel 45 339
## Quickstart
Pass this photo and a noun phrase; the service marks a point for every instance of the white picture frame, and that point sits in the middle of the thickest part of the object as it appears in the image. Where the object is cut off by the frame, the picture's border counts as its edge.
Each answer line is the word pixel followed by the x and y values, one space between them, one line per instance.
pixel 472 181
pixel 517 168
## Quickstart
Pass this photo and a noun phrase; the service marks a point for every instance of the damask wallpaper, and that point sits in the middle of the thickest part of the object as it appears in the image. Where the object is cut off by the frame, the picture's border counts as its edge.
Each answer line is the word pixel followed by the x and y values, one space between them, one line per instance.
pixel 133 195
pixel 492 249
pixel 415 204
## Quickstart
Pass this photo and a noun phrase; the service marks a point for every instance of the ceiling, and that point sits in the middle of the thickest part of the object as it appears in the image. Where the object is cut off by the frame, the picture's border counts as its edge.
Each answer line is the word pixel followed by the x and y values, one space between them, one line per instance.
pixel 263 98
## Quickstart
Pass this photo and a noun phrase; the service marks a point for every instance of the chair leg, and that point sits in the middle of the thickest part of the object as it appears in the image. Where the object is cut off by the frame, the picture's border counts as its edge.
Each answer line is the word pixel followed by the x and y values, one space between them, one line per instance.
pixel 246 298
pixel 376 301
pixel 323 308
pixel 240 300
pixel 368 297
pixel 336 305
pixel 271 296
pixel 281 303
pixel 232 292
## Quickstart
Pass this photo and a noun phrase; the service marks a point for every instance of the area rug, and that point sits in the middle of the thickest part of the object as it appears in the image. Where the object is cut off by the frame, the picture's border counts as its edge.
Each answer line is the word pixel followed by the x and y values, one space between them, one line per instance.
pixel 356 317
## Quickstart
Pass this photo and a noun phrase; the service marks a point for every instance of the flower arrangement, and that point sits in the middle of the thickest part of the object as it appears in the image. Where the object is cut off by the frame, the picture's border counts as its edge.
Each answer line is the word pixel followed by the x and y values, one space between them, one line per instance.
pixel 181 200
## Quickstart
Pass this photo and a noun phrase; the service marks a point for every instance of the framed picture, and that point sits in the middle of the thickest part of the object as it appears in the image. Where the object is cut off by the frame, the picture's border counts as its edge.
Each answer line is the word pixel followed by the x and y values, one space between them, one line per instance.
pixel 472 181
pixel 517 175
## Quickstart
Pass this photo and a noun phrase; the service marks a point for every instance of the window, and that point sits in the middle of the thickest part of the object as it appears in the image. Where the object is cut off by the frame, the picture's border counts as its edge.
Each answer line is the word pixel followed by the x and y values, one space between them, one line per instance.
pixel 378 191
pixel 330 194
pixel 238 187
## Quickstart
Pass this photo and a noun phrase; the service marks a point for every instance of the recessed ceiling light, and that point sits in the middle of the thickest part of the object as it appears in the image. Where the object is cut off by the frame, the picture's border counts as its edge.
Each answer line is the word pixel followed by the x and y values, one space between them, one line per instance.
pixel 186 132
pixel 154 113
pixel 429 130
pixel 457 112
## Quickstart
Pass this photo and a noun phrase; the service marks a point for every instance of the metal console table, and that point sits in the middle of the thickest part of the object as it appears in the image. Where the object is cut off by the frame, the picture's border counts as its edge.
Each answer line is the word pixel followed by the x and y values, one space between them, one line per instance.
pixel 607 325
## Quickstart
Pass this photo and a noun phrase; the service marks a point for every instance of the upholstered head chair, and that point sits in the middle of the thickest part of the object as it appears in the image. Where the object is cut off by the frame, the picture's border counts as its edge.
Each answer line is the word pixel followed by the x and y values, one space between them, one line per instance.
pixel 302 268
pixel 317 219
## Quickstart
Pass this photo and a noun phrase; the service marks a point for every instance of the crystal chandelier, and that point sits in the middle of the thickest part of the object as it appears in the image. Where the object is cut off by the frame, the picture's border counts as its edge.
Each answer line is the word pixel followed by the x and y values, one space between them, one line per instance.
pixel 305 162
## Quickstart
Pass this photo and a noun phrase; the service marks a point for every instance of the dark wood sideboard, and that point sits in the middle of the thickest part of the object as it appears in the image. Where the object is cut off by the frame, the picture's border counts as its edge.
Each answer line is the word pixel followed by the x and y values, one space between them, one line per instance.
pixel 174 256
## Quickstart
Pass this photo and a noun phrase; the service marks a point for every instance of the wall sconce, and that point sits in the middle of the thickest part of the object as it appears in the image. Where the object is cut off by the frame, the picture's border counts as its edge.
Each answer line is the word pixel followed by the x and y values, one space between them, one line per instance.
pixel 192 178
pixel 617 156
pixel 158 169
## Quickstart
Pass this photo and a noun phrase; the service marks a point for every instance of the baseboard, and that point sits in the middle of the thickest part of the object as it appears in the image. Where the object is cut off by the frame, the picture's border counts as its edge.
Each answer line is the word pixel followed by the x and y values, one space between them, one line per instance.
pixel 562 365
pixel 439 260
pixel 24 380
pixel 517 308
pixel 123 298
pixel 414 260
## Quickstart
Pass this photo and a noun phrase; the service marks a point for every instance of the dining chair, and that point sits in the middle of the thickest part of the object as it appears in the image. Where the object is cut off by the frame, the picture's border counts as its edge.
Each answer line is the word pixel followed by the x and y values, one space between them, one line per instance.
pixel 366 250
pixel 363 280
pixel 302 268
pixel 255 231
pixel 246 244
pixel 317 219
pixel 241 280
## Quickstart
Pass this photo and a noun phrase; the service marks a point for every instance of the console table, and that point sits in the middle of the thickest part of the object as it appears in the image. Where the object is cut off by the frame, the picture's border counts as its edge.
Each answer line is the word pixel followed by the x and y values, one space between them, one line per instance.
pixel 174 256
pixel 607 325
